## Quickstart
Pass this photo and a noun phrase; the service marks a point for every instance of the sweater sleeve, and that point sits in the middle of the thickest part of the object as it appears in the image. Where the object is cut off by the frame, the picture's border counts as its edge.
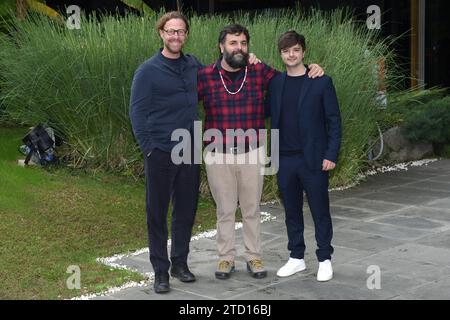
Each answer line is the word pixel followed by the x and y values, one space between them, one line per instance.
pixel 140 107
pixel 197 62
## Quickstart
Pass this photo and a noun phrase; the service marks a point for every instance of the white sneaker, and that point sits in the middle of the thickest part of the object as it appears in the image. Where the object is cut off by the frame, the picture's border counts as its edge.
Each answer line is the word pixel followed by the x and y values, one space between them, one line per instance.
pixel 291 267
pixel 325 271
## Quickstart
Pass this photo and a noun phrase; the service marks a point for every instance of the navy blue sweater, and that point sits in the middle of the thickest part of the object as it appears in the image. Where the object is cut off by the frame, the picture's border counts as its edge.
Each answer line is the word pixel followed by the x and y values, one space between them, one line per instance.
pixel 290 137
pixel 163 98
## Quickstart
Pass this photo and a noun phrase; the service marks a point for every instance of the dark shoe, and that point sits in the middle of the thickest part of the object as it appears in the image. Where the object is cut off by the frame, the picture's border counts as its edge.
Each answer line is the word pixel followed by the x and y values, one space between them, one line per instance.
pixel 224 269
pixel 161 284
pixel 256 269
pixel 182 273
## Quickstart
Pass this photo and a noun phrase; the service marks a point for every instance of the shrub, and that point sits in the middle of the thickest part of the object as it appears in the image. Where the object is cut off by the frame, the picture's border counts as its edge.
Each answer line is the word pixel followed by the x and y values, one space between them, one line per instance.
pixel 429 122
pixel 401 104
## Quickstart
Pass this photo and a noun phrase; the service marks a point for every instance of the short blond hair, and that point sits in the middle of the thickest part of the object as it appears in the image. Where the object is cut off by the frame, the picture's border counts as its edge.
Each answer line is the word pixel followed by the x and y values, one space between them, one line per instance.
pixel 169 16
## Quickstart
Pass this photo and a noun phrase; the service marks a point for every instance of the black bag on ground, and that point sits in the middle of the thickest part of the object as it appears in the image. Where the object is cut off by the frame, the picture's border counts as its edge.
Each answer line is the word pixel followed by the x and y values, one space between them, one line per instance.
pixel 40 143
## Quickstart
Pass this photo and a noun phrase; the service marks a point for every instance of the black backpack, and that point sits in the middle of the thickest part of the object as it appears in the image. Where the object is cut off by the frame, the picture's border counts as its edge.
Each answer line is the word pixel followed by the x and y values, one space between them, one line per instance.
pixel 41 144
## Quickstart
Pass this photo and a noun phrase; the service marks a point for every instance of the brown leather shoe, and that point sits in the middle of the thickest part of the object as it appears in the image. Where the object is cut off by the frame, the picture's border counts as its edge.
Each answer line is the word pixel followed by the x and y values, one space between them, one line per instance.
pixel 224 269
pixel 256 268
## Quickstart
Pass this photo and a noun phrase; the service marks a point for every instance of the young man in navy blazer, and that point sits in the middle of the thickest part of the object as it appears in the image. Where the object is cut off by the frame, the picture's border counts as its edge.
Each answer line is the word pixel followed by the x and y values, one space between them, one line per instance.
pixel 306 112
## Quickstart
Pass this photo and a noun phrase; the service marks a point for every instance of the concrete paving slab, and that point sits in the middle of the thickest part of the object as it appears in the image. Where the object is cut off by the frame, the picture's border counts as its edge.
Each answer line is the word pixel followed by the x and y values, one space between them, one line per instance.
pixel 362 275
pixel 411 222
pixel 266 293
pixel 390 231
pixel 420 253
pixel 147 293
pixel 405 197
pixel 431 185
pixel 377 206
pixel 310 289
pixel 360 214
pixel 363 240
pixel 419 271
pixel 442 203
pixel 430 213
pixel 373 183
pixel 438 240
pixel 410 190
pixel 436 290
pixel 208 286
pixel 441 178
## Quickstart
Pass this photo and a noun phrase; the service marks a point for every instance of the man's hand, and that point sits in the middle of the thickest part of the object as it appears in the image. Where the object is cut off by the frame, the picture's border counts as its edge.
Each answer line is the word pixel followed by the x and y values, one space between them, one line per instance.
pixel 315 71
pixel 328 165
pixel 252 59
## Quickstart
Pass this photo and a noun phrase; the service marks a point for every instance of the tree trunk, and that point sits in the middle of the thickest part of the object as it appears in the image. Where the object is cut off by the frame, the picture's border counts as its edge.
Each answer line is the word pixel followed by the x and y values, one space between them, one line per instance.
pixel 179 5
pixel 21 9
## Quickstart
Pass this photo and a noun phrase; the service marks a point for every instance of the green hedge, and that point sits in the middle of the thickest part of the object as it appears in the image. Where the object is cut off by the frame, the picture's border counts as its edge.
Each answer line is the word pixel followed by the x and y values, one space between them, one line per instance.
pixel 429 122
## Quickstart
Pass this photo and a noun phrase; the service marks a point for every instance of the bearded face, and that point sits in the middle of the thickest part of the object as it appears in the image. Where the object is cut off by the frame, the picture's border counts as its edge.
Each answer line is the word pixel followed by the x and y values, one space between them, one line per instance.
pixel 235 50
pixel 236 59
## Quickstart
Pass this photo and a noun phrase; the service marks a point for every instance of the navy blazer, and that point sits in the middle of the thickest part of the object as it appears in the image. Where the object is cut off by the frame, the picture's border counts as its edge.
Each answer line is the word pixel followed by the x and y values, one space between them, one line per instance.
pixel 318 118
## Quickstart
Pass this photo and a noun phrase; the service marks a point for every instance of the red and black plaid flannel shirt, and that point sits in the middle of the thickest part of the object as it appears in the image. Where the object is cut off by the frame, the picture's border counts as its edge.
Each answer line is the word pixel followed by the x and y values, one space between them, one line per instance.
pixel 244 110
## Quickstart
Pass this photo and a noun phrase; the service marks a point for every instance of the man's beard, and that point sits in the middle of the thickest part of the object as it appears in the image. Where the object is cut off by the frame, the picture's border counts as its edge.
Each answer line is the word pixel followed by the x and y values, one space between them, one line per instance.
pixel 235 60
pixel 167 46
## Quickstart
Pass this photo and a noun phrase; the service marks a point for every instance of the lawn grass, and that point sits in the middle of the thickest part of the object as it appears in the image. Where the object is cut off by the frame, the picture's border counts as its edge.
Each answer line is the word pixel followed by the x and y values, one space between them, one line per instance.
pixel 52 219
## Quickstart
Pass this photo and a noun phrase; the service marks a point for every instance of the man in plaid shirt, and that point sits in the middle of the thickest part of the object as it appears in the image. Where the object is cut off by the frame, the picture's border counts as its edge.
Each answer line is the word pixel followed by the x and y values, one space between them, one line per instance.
pixel 233 93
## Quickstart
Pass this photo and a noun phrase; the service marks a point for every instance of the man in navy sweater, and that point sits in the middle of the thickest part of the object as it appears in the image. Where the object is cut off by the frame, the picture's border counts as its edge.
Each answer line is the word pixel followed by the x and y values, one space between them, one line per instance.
pixel 306 112
pixel 164 98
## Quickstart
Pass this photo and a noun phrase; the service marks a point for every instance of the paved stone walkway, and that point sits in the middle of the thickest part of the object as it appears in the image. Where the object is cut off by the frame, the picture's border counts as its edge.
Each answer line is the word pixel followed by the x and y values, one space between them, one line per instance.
pixel 398 222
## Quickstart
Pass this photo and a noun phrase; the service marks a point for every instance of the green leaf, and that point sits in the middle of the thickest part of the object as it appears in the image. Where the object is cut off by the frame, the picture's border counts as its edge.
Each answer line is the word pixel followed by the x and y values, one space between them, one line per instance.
pixel 139 5
pixel 136 4
pixel 147 10
pixel 40 7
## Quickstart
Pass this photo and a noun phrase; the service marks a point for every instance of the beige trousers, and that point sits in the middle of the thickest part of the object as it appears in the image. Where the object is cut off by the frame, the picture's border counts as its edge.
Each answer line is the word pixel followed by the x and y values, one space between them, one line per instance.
pixel 237 179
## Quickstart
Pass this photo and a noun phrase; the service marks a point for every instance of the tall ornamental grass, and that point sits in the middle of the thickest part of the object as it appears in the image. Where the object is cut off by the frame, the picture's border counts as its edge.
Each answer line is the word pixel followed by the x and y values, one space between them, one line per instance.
pixel 79 81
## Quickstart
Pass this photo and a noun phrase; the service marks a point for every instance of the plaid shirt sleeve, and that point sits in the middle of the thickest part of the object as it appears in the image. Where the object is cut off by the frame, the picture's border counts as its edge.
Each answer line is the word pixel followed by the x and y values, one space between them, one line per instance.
pixel 268 73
